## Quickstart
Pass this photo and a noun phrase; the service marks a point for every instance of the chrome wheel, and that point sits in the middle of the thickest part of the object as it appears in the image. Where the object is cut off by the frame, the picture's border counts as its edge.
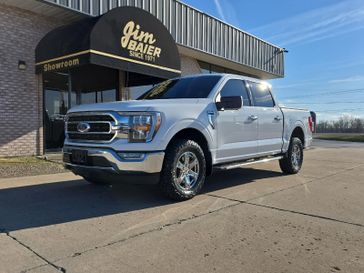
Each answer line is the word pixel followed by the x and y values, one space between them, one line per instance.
pixel 296 156
pixel 187 171
pixel 292 161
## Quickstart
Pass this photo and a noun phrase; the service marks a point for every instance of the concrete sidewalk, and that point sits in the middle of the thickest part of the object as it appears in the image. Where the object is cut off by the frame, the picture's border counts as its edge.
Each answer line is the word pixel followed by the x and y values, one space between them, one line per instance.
pixel 246 220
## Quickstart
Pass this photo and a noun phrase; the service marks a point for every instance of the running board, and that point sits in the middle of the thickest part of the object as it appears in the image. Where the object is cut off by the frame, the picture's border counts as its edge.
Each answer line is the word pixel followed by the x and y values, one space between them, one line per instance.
pixel 246 163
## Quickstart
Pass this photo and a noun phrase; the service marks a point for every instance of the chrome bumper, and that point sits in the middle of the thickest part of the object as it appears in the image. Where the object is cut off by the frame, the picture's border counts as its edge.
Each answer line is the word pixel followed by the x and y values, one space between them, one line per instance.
pixel 149 162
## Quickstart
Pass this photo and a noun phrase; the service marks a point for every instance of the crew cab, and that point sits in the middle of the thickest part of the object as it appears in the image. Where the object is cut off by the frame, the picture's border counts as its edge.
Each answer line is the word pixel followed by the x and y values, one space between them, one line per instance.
pixel 181 130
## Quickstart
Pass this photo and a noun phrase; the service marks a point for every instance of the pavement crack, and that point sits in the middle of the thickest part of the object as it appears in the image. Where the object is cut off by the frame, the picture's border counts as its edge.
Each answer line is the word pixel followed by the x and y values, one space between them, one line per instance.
pixel 306 214
pixel 59 268
pixel 288 210
pixel 177 222
pixel 312 179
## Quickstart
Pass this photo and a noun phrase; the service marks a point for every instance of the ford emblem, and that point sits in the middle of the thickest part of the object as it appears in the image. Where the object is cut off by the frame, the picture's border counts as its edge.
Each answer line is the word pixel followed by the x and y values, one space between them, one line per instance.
pixel 83 127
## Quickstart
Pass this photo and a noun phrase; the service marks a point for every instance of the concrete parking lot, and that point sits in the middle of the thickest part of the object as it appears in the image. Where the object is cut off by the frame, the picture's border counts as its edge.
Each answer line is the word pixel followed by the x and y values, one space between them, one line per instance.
pixel 246 220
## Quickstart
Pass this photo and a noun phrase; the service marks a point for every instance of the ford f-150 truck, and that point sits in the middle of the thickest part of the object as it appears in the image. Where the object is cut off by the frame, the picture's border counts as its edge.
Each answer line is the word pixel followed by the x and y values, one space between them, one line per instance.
pixel 182 129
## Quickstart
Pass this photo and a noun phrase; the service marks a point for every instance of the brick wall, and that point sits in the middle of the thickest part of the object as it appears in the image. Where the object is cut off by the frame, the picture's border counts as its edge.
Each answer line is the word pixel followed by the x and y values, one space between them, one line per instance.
pixel 21 131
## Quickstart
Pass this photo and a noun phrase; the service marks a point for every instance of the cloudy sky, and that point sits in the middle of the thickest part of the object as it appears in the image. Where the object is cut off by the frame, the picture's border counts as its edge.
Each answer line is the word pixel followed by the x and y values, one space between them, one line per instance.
pixel 325 39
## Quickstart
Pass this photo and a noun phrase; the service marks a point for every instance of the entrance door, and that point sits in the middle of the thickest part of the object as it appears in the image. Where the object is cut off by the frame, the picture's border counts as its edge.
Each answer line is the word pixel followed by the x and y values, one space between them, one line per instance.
pixel 56 102
pixel 63 90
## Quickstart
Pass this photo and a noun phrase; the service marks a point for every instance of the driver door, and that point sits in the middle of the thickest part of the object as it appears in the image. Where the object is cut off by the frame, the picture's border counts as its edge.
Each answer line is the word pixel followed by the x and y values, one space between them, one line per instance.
pixel 237 129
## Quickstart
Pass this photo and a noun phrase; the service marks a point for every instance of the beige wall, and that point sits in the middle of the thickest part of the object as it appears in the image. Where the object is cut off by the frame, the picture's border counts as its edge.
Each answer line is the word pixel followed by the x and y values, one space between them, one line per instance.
pixel 189 66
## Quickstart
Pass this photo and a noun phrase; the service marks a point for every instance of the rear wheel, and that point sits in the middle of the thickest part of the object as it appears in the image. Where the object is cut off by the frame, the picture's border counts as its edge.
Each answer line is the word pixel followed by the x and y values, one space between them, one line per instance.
pixel 184 170
pixel 291 163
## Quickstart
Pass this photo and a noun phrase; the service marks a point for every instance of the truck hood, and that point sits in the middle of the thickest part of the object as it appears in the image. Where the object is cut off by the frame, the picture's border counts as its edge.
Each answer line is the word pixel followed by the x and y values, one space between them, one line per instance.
pixel 139 105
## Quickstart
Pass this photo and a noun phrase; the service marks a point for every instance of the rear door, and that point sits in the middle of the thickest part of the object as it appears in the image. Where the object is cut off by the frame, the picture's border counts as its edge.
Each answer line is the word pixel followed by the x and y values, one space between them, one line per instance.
pixel 270 119
pixel 236 132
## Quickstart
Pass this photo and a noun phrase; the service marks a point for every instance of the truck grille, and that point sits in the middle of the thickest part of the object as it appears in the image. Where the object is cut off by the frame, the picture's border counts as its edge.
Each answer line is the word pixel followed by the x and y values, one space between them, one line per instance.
pixel 90 127
pixel 94 127
pixel 90 117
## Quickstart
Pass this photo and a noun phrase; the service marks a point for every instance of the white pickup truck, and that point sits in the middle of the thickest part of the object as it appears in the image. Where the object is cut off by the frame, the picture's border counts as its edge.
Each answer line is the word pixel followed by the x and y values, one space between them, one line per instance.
pixel 182 129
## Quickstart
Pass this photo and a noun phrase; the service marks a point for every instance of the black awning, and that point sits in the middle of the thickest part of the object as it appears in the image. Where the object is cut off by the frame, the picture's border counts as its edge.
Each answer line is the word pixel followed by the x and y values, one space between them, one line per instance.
pixel 125 38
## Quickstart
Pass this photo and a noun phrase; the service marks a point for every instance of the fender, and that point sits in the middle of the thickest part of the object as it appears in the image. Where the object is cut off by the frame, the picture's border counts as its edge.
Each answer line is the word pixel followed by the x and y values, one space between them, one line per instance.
pixel 189 123
pixel 288 133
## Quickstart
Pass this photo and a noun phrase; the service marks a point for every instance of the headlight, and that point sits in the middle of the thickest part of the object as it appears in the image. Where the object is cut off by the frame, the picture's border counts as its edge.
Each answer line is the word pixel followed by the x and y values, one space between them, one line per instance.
pixel 142 125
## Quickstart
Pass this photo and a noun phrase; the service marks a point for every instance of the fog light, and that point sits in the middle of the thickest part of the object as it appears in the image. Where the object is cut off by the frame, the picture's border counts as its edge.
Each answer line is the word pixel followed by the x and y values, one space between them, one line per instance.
pixel 131 156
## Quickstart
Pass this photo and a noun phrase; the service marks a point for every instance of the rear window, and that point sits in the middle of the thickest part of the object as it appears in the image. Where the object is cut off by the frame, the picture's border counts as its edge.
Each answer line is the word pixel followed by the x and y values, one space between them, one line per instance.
pixel 183 88
pixel 261 95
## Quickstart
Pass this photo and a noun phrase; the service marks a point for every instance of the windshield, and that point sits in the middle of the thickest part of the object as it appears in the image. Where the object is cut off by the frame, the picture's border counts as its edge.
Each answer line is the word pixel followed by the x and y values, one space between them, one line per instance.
pixel 187 88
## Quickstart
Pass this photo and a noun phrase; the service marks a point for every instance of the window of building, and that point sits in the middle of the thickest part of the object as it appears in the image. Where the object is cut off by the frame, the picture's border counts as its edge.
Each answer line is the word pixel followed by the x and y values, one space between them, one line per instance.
pixel 139 84
pixel 101 84
pixel 261 95
pixel 205 67
pixel 136 91
pixel 217 69
pixel 236 88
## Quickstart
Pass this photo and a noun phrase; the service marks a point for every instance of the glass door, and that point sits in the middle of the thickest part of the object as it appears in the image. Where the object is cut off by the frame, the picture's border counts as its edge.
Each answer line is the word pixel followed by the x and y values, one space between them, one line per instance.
pixel 63 90
pixel 56 104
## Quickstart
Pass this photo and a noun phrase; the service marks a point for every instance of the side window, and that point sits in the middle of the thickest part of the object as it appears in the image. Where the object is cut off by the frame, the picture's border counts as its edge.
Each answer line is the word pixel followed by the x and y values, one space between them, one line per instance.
pixel 236 88
pixel 261 95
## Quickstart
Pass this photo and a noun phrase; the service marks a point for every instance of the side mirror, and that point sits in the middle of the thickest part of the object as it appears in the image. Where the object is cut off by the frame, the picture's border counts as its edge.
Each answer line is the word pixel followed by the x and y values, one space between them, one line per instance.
pixel 229 103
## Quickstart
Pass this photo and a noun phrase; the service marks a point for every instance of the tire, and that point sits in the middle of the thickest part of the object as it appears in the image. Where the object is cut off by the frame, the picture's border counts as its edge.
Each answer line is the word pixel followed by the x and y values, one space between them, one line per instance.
pixel 292 161
pixel 184 170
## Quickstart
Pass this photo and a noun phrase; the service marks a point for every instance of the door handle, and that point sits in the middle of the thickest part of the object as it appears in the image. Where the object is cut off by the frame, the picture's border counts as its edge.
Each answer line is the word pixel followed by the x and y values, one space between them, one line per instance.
pixel 277 118
pixel 253 117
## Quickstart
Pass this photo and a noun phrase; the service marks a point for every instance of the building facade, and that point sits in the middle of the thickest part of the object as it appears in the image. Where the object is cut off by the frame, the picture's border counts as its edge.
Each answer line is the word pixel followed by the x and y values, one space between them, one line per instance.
pixel 55 54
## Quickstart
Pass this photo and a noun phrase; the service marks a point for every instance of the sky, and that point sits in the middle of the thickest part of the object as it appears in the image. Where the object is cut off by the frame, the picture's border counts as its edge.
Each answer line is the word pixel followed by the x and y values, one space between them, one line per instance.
pixel 324 68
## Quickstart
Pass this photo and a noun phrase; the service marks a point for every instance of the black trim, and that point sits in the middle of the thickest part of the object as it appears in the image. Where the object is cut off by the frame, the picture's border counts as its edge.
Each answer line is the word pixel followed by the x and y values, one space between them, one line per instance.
pixel 122 177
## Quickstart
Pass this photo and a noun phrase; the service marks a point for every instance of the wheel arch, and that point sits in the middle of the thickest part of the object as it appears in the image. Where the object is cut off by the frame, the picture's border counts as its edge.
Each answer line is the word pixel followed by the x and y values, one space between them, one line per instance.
pixel 197 136
pixel 299 133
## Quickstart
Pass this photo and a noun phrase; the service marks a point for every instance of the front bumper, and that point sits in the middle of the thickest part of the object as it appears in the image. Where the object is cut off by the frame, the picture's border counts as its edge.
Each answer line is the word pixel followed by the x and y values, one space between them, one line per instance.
pixel 107 164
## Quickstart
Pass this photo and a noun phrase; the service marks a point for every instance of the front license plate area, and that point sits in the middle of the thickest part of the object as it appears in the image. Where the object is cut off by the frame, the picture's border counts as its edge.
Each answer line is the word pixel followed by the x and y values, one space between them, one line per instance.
pixel 79 157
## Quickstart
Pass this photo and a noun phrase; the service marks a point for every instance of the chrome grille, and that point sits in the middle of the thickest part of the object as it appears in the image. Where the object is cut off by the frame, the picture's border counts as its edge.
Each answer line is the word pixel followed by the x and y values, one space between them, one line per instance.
pixel 100 127
pixel 95 127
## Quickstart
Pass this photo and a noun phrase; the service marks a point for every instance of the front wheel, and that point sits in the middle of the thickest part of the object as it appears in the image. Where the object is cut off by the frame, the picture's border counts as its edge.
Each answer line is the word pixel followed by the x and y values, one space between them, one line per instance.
pixel 184 170
pixel 291 163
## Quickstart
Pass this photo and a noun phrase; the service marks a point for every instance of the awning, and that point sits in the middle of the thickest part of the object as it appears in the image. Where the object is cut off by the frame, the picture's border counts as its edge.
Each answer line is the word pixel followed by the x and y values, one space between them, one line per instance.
pixel 125 38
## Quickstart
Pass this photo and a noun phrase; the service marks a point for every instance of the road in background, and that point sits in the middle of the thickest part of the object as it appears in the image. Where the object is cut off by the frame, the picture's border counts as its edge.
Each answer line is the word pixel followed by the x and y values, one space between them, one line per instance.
pixel 246 220
pixel 336 144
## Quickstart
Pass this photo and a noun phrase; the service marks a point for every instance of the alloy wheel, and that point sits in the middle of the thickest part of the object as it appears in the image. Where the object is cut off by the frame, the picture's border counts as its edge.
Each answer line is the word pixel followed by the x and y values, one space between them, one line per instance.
pixel 187 171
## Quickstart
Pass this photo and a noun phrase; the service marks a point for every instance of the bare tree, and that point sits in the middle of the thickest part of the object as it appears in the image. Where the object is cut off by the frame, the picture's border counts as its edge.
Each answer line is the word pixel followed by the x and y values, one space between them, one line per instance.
pixel 345 124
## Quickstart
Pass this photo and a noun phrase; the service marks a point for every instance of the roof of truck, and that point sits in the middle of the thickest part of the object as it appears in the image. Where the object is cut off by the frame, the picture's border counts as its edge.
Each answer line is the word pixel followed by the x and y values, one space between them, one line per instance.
pixel 226 75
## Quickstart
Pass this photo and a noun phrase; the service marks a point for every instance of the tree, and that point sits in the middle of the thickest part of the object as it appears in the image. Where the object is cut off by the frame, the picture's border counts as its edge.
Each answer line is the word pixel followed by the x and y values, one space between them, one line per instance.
pixel 358 125
pixel 345 124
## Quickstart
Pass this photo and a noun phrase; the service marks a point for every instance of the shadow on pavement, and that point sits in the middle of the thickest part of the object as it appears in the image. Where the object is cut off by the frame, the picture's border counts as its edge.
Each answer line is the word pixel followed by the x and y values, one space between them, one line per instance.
pixel 61 202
